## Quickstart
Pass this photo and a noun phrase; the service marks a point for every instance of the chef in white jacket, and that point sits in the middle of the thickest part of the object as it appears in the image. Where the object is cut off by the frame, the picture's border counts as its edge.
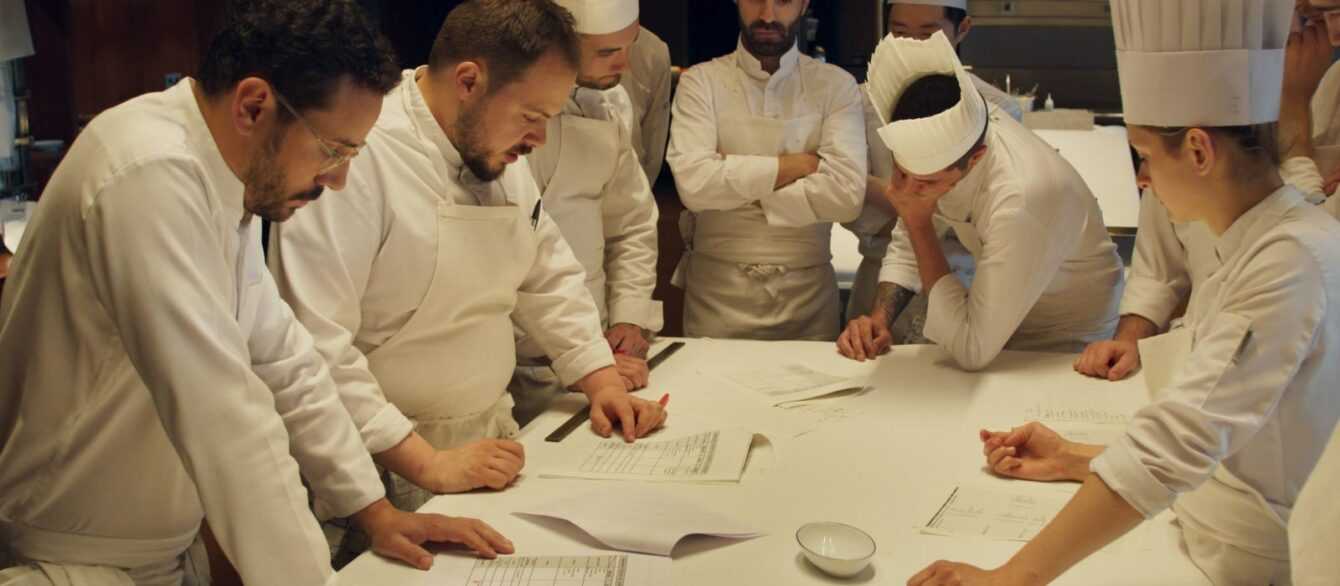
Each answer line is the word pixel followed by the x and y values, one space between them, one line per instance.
pixel 595 190
pixel 1231 440
pixel 1172 258
pixel 917 19
pixel 410 281
pixel 1047 275
pixel 648 83
pixel 152 375
pixel 768 151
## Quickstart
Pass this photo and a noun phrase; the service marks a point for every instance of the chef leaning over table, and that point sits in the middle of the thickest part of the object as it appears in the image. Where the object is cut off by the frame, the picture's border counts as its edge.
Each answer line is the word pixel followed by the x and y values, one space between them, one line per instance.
pixel 768 150
pixel 594 188
pixel 1047 275
pixel 152 376
pixel 1230 441
pixel 1172 258
pixel 917 19
pixel 410 281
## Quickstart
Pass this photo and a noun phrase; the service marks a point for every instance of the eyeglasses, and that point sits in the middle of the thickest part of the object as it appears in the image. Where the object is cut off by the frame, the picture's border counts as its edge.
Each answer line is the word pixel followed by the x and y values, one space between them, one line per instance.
pixel 336 155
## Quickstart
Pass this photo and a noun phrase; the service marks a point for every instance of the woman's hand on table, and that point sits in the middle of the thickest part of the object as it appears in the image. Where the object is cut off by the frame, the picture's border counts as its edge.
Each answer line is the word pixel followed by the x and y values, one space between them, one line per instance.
pixel 945 573
pixel 1036 452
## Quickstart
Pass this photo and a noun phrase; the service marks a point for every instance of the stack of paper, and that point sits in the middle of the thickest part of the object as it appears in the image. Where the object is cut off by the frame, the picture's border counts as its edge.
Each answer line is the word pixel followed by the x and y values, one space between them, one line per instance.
pixel 575 570
pixel 712 456
pixel 790 382
pixel 643 521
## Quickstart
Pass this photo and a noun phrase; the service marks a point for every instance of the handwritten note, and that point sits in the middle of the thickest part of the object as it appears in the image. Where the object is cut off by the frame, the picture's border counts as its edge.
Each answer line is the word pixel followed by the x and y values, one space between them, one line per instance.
pixel 995 514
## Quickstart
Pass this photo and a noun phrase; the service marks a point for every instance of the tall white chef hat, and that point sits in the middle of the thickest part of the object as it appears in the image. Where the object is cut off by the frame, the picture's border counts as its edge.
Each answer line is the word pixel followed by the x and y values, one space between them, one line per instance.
pixel 601 17
pixel 959 4
pixel 1201 62
pixel 924 146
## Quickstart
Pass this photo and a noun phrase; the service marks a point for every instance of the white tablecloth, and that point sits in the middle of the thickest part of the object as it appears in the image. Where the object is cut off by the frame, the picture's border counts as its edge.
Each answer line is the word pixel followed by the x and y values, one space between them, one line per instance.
pixel 883 461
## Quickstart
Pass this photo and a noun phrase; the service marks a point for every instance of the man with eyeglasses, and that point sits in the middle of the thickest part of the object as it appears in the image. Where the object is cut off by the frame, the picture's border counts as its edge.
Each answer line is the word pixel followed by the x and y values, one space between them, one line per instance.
pixel 412 280
pixel 150 374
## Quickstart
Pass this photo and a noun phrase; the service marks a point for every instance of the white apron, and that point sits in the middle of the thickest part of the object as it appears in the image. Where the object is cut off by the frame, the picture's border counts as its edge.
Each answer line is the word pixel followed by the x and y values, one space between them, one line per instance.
pixel 745 278
pixel 156 563
pixel 579 168
pixel 1229 530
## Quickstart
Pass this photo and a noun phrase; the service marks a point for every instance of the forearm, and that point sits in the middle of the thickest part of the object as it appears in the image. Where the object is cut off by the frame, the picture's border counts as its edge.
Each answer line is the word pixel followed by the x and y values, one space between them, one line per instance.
pixel 1133 328
pixel 600 380
pixel 1094 518
pixel 409 459
pixel 1076 457
pixel 890 301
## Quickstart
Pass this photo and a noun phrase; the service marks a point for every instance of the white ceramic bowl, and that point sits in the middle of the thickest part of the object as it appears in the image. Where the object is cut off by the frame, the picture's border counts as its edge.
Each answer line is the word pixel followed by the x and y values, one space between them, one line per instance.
pixel 838 549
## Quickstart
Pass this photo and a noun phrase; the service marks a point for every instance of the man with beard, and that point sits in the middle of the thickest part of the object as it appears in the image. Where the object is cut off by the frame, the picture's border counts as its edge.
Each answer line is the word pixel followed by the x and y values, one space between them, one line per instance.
pixel 768 151
pixel 595 190
pixel 151 374
pixel 411 281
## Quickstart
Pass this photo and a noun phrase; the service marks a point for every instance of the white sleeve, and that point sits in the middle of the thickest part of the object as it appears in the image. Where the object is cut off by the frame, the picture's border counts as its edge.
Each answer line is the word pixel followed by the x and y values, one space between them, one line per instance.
pixel 656 122
pixel 1021 255
pixel 631 248
pixel 157 268
pixel 900 262
pixel 321 260
pixel 707 179
pixel 834 193
pixel 1228 388
pixel 1302 173
pixel 554 306
pixel 1159 281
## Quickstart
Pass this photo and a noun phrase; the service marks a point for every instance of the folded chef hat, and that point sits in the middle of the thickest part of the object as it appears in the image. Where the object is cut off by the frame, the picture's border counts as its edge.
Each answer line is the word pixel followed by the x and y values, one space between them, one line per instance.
pixel 927 145
pixel 601 17
pixel 959 4
pixel 1201 62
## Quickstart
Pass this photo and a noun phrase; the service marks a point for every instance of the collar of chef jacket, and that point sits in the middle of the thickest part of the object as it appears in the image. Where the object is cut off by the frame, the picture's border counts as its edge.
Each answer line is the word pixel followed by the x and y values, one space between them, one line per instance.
pixel 754 68
pixel 1249 226
pixel 227 187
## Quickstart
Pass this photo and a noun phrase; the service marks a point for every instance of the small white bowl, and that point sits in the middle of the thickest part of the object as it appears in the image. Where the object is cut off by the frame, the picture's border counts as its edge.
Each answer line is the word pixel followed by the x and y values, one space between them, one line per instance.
pixel 841 550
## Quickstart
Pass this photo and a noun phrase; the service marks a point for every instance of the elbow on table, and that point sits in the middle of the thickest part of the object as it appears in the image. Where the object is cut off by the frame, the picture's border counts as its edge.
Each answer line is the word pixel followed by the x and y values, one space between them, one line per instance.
pixel 974 357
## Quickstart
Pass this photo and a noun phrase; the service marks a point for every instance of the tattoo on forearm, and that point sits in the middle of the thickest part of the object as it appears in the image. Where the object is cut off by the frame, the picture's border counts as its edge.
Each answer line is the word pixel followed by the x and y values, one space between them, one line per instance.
pixel 893 299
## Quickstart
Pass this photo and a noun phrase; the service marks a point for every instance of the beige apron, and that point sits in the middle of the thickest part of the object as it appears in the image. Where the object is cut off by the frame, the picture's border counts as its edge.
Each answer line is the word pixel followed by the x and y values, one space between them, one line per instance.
pixel 161 562
pixel 1232 534
pixel 579 161
pixel 745 278
pixel 447 369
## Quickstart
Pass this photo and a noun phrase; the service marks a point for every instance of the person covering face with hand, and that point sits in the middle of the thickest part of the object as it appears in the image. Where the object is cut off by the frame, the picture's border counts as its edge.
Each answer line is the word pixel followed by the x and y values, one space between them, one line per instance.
pixel 1230 440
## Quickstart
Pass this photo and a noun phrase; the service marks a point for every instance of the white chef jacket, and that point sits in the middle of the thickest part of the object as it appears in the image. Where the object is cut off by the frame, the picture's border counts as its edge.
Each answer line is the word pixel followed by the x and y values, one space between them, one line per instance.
pixel 1047 275
pixel 153 376
pixel 1314 527
pixel 1308 175
pixel 597 193
pixel 737 86
pixel 1257 393
pixel 357 267
pixel 648 84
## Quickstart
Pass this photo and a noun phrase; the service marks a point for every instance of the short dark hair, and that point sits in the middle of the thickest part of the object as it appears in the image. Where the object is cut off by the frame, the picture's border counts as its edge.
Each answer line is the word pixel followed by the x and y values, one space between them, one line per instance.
pixel 931 95
pixel 506 36
pixel 303 48
pixel 1258 143
pixel 956 16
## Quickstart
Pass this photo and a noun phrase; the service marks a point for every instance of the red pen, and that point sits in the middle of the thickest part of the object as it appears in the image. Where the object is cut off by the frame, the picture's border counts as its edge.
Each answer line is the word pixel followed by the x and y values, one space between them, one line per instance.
pixel 665 400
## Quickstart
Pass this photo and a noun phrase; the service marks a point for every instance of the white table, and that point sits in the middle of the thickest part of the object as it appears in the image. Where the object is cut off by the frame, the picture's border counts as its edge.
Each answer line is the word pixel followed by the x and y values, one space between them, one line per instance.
pixel 883 461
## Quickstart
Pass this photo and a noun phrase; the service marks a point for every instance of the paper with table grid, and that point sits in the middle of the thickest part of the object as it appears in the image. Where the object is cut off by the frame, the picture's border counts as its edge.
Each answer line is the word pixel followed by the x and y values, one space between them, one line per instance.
pixel 579 570
pixel 711 456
